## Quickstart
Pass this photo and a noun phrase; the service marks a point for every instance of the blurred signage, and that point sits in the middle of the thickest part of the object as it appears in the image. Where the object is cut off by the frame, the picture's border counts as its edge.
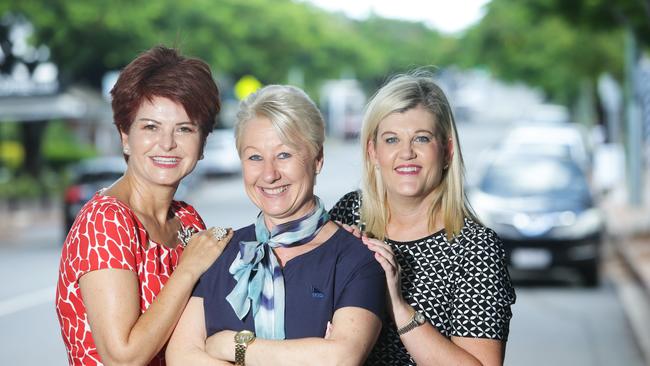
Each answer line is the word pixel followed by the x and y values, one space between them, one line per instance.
pixel 25 70
pixel 246 86
pixel 42 81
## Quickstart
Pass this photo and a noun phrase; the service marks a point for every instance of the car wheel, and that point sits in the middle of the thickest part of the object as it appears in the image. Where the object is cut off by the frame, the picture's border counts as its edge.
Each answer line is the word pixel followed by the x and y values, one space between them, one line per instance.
pixel 591 275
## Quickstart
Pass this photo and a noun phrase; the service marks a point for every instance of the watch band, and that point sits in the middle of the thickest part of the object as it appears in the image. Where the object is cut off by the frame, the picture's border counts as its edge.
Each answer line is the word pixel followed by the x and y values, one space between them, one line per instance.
pixel 416 320
pixel 242 340
pixel 240 354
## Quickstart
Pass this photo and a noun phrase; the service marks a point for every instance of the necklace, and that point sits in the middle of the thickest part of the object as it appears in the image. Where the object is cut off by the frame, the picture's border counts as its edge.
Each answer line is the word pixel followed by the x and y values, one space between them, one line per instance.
pixel 185 234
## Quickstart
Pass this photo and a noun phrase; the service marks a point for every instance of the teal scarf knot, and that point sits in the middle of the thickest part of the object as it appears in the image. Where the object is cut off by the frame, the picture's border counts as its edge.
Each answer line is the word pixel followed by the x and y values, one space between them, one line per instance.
pixel 260 282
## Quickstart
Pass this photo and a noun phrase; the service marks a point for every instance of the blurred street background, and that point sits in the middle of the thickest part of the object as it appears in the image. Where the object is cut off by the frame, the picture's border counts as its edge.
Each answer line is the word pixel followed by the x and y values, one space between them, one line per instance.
pixel 551 98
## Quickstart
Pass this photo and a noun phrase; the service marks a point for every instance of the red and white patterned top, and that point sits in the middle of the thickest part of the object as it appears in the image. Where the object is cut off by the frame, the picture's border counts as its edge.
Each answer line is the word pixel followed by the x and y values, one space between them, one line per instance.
pixel 107 234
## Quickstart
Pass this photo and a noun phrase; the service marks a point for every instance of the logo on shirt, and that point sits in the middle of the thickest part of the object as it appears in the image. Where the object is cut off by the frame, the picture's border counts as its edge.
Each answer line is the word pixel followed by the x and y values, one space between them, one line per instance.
pixel 316 293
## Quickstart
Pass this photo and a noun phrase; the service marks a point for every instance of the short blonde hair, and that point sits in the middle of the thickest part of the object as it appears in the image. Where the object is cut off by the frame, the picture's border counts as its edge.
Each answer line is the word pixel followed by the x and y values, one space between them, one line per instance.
pixel 402 93
pixel 292 113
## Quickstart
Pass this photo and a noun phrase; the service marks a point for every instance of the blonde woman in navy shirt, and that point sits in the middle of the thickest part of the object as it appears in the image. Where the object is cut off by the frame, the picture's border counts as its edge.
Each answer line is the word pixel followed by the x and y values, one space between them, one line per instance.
pixel 270 297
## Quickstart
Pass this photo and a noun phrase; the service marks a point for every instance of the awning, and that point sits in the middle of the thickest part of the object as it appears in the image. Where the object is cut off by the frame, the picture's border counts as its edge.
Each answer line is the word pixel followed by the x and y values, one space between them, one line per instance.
pixel 81 104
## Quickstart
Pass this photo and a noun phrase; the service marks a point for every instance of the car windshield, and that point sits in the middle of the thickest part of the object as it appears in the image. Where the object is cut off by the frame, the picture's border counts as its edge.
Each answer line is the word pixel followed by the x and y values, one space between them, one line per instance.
pixel 527 177
pixel 562 151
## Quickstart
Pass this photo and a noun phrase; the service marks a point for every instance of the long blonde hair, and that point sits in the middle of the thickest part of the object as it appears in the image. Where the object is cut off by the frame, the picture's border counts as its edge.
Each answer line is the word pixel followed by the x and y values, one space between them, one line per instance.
pixel 402 93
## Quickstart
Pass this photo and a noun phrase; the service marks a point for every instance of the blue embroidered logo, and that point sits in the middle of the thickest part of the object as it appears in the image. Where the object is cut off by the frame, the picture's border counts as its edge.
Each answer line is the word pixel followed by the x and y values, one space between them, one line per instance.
pixel 316 293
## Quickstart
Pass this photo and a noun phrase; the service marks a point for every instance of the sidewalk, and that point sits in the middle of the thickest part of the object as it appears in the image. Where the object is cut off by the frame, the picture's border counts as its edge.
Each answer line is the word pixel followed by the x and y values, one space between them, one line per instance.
pixel 30 219
pixel 628 229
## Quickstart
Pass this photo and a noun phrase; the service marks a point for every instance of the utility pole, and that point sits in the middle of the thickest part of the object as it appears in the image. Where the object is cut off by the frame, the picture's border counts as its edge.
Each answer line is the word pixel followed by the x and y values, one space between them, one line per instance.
pixel 633 118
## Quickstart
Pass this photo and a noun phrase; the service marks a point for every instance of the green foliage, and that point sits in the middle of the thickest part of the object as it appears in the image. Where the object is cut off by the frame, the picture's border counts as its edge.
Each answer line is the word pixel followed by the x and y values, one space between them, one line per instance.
pixel 515 43
pixel 263 38
pixel 61 147
pixel 600 15
pixel 552 44
pixel 20 187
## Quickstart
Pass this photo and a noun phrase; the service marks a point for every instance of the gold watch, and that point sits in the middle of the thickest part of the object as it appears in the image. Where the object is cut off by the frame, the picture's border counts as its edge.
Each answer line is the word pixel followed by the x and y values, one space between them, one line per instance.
pixel 242 340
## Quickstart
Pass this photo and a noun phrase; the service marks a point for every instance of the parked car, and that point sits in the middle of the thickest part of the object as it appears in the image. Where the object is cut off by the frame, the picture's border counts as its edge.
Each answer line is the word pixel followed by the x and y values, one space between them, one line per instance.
pixel 220 156
pixel 91 175
pixel 543 209
pixel 88 177
pixel 563 140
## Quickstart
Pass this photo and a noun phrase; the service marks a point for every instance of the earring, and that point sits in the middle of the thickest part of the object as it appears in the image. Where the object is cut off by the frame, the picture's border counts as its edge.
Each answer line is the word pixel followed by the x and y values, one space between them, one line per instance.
pixel 445 167
pixel 376 166
pixel 126 150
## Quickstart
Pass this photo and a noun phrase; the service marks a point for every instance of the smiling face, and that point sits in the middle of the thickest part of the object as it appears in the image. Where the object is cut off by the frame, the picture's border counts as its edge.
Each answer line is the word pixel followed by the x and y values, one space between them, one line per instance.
pixel 409 153
pixel 163 144
pixel 279 179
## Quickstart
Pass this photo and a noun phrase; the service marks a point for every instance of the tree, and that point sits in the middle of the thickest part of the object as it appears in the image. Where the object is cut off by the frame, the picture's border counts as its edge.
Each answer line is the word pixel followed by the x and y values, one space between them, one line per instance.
pixel 515 43
pixel 600 14
pixel 261 37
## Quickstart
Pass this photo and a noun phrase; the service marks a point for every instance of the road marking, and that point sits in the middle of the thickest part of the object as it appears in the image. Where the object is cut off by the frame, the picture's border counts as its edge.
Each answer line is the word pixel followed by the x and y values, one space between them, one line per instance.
pixel 26 301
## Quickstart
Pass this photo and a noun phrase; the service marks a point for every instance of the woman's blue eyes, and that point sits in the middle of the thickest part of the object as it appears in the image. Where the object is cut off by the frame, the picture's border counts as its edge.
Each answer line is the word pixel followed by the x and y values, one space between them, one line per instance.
pixel 282 155
pixel 421 139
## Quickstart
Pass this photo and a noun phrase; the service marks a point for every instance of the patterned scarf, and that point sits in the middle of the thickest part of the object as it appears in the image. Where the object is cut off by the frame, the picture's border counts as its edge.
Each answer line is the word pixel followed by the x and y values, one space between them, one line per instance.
pixel 260 283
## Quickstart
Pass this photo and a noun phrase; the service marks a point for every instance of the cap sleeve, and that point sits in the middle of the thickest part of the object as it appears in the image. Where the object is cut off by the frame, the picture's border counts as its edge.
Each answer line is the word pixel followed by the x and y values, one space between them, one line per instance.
pixel 363 281
pixel 105 236
pixel 346 210
pixel 483 293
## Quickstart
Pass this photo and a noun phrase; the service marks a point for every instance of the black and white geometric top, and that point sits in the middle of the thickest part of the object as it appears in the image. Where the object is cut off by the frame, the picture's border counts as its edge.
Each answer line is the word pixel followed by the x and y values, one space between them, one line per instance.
pixel 462 287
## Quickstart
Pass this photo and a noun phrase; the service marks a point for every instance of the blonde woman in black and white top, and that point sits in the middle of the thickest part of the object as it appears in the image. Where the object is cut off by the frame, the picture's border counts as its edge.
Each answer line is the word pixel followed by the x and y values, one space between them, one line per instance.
pixel 449 289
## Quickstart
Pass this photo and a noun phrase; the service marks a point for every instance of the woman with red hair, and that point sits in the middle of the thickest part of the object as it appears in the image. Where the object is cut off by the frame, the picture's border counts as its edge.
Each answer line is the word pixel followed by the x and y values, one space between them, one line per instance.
pixel 133 254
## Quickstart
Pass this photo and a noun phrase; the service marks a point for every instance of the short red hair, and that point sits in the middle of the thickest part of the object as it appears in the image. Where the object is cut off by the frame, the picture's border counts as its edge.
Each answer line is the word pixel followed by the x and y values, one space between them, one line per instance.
pixel 163 72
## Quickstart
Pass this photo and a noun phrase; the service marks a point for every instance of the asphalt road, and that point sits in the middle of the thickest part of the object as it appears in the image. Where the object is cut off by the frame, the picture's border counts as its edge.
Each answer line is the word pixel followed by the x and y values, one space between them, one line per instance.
pixel 553 323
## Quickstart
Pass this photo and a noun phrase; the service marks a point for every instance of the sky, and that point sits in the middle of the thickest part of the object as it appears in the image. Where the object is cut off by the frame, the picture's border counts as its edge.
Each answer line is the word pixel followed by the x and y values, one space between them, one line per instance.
pixel 448 16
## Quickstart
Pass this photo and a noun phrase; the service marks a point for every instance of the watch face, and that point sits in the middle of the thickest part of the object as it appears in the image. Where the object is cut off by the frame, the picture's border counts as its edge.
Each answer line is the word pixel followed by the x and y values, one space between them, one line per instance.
pixel 244 337
pixel 419 318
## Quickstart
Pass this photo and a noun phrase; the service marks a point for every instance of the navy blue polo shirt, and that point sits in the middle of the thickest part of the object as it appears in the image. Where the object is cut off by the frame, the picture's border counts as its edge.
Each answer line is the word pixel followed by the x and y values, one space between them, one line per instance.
pixel 340 272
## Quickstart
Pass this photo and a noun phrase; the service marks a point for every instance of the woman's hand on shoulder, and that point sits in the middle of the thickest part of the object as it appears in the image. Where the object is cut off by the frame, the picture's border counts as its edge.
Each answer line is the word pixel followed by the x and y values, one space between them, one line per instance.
pixel 202 250
pixel 384 255
pixel 352 229
pixel 386 258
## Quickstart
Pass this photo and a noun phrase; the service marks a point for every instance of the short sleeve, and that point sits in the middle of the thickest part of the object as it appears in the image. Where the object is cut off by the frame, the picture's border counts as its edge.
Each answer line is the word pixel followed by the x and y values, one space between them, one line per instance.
pixel 365 288
pixel 201 287
pixel 218 273
pixel 105 238
pixel 483 293
pixel 206 285
pixel 346 210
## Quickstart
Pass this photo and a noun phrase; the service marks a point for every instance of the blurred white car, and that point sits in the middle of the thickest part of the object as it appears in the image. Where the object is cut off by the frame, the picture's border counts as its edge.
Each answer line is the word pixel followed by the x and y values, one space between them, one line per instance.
pixel 220 155
pixel 543 209
pixel 560 140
